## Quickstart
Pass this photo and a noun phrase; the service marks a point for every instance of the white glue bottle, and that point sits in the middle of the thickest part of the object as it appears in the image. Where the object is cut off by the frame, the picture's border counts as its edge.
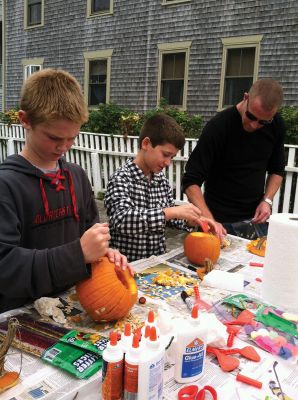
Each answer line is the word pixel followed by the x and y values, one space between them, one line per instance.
pixel 131 369
pixel 150 383
pixel 126 338
pixel 190 350
pixel 112 370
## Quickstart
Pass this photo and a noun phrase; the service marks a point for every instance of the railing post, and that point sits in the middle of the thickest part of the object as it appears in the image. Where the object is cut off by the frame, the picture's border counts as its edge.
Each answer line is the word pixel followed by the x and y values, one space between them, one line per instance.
pixel 96 172
pixel 10 147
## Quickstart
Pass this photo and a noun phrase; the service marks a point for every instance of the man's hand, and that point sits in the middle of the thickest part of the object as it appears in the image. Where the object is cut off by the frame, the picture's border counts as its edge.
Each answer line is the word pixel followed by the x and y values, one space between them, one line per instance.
pixel 188 212
pixel 263 212
pixel 119 260
pixel 95 242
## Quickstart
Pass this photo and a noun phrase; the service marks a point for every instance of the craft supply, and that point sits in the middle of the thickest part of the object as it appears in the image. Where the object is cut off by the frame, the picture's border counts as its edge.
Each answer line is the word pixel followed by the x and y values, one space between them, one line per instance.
pixel 190 350
pixel 186 300
pixel 131 370
pixel 256 264
pixel 151 366
pixel 126 338
pixel 150 321
pixel 280 278
pixel 226 362
pixel 192 392
pixel 112 370
pixel 197 294
pixel 249 381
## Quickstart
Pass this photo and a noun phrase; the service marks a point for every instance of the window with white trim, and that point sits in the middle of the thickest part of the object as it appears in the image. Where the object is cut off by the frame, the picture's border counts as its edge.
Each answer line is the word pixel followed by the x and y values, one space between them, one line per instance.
pixel 173 73
pixel 97 77
pixel 239 68
pixel 31 65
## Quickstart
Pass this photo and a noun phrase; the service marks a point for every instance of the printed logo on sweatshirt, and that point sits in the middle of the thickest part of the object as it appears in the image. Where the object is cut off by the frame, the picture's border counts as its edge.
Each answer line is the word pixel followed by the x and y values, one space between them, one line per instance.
pixel 53 215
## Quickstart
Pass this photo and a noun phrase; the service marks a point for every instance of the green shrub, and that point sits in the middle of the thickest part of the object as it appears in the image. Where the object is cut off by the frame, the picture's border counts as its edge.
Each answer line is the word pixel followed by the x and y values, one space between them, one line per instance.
pixel 10 116
pixel 290 116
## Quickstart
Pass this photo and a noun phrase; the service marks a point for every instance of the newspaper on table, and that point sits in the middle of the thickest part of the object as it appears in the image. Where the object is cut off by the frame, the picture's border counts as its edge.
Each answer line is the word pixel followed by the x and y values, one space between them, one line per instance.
pixel 39 380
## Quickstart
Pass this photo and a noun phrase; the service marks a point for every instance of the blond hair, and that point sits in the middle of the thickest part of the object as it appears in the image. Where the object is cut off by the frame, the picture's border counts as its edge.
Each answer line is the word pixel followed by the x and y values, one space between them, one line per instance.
pixel 269 91
pixel 51 94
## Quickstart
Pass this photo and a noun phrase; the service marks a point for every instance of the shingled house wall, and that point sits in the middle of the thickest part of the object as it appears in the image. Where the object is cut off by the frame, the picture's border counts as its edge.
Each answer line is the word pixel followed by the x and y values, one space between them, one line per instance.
pixel 133 32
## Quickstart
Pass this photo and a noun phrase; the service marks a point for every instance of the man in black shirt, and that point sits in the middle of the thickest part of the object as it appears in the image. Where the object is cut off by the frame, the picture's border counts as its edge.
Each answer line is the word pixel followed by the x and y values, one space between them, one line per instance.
pixel 240 158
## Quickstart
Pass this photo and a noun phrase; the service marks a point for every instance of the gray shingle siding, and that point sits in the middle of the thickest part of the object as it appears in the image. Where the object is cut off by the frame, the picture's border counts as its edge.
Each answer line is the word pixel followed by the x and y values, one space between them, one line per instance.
pixel 135 29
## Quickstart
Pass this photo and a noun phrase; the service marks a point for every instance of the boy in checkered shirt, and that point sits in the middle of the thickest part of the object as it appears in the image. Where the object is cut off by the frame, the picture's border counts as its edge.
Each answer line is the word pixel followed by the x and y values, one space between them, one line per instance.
pixel 139 198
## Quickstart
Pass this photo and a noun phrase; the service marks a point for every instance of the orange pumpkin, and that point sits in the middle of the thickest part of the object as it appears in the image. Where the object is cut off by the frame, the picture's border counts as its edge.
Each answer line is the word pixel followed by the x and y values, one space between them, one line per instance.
pixel 199 245
pixel 109 294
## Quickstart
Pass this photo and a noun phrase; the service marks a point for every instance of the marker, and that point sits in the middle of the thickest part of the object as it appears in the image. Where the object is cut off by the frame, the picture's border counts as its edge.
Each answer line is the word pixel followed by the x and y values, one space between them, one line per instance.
pixel 185 297
pixel 249 381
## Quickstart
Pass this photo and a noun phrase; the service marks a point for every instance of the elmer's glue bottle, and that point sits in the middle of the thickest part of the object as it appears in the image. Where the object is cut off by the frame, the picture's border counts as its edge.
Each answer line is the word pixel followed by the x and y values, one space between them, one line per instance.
pixel 190 351
pixel 131 369
pixel 112 370
pixel 150 383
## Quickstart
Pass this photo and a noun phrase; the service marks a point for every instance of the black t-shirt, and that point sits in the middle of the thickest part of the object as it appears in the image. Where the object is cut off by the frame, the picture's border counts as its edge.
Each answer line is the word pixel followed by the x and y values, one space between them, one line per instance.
pixel 233 164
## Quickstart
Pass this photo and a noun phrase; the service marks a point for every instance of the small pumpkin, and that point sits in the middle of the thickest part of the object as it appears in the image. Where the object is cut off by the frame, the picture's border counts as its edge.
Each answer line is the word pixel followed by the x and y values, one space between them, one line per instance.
pixel 109 294
pixel 199 245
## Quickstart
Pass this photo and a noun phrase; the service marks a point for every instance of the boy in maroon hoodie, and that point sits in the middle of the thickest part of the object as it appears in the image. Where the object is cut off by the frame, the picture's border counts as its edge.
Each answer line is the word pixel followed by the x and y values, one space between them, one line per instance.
pixel 49 231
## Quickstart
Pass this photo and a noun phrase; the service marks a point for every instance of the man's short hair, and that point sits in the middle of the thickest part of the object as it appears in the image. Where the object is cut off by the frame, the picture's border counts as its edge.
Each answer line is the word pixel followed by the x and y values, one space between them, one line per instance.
pixel 53 94
pixel 269 91
pixel 162 129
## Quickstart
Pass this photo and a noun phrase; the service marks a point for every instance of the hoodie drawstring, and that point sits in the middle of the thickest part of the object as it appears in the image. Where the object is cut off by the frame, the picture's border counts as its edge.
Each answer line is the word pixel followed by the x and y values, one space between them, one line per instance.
pixel 56 180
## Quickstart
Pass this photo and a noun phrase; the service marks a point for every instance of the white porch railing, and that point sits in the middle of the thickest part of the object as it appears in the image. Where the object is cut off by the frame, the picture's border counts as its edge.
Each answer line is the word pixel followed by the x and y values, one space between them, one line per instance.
pixel 100 155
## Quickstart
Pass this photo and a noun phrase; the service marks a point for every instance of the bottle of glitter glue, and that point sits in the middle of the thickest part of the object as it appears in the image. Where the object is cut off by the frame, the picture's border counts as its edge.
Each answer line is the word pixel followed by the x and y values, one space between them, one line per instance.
pixel 112 370
pixel 190 350
pixel 131 369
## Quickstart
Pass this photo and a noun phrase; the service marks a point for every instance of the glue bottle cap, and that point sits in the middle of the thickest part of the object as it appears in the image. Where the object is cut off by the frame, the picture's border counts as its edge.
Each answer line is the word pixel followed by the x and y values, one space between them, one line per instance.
pixel 113 338
pixel 151 316
pixel 127 329
pixel 136 341
pixel 195 311
pixel 153 335
pixel 147 331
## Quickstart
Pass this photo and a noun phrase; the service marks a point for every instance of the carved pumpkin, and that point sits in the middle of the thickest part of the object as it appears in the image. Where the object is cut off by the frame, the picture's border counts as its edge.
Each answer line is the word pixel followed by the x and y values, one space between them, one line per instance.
pixel 199 245
pixel 109 294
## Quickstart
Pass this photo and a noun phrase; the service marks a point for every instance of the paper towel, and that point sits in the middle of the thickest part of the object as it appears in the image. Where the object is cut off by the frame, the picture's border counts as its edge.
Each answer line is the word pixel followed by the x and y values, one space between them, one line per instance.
pixel 280 279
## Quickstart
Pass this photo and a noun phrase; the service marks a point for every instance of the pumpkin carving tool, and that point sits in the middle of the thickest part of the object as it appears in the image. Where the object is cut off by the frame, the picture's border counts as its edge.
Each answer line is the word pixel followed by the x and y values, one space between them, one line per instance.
pixel 232 330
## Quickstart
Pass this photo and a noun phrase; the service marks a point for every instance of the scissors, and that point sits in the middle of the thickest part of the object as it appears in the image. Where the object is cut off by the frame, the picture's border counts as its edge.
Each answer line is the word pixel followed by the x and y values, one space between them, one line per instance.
pixel 192 392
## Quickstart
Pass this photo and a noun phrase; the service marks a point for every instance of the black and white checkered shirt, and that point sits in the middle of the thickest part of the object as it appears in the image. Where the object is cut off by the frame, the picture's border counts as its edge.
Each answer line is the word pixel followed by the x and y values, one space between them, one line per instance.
pixel 135 208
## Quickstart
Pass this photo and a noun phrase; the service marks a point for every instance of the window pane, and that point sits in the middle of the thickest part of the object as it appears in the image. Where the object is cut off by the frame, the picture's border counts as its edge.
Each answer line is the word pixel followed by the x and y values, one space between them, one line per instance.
pixel 240 61
pixel 234 90
pixel 34 12
pixel 173 66
pixel 97 82
pixel 100 5
pixel 172 91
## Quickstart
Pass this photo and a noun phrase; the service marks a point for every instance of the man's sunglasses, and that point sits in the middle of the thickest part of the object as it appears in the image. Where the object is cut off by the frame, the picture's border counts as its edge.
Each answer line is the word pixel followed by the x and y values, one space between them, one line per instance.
pixel 255 119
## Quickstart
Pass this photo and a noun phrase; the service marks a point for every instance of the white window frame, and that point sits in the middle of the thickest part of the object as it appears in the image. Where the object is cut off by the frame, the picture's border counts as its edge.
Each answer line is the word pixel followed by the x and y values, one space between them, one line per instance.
pixel 28 63
pixel 94 56
pixel 170 2
pixel 26 26
pixel 170 48
pixel 238 42
pixel 91 14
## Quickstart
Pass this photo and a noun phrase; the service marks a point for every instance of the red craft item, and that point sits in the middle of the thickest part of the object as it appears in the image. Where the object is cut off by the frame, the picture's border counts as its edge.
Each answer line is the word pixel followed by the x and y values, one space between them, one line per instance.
pixel 232 331
pixel 248 352
pixel 226 363
pixel 244 318
pixel 249 381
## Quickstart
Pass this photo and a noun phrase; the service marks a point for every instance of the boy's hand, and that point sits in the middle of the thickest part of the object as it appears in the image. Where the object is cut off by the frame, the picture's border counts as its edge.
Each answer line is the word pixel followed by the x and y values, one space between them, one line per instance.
pixel 119 260
pixel 215 227
pixel 95 242
pixel 188 212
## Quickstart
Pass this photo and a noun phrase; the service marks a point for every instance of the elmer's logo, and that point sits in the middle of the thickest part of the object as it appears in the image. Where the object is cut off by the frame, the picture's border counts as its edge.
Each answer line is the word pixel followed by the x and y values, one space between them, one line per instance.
pixel 194 346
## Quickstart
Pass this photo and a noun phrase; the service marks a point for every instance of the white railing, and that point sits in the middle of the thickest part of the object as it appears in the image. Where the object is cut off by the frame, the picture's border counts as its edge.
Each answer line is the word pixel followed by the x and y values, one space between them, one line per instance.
pixel 100 155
